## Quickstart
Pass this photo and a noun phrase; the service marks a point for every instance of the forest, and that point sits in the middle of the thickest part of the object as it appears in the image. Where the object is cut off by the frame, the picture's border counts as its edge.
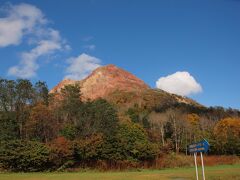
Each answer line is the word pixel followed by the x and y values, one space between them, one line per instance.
pixel 41 131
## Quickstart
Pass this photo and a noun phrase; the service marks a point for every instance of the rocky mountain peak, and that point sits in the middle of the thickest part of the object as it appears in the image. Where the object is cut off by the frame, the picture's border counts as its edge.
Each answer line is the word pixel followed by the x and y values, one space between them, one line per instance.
pixel 104 81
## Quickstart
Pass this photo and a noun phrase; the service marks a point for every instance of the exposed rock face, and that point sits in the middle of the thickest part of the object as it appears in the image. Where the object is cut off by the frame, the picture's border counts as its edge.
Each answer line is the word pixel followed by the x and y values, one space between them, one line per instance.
pixel 61 85
pixel 104 81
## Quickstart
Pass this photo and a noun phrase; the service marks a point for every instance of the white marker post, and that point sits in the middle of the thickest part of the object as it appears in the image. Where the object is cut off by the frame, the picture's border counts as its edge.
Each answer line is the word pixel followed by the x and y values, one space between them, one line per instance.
pixel 195 159
pixel 203 172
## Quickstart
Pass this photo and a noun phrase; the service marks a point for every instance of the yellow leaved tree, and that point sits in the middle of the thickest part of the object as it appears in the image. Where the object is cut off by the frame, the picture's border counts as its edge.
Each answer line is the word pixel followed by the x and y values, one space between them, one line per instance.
pixel 227 135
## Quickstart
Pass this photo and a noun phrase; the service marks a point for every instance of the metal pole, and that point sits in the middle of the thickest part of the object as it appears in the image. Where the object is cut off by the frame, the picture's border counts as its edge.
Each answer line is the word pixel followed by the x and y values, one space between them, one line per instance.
pixel 195 159
pixel 203 172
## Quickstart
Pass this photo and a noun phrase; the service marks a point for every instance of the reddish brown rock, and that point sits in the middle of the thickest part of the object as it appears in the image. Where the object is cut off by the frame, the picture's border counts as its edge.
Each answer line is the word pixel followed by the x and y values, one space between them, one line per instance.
pixel 104 81
pixel 60 85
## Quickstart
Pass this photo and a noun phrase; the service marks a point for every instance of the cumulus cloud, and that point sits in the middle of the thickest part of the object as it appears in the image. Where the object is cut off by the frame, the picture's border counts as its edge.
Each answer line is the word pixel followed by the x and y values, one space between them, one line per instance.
pixel 81 66
pixel 27 20
pixel 181 83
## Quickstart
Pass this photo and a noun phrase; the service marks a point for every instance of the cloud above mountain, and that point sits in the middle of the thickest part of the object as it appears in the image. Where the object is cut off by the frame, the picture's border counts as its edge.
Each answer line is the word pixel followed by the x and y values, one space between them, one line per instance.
pixel 19 20
pixel 27 22
pixel 81 66
pixel 181 83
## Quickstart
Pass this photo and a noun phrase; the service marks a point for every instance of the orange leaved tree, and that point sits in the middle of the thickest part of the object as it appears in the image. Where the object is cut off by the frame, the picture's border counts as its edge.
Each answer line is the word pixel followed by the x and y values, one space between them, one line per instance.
pixel 227 135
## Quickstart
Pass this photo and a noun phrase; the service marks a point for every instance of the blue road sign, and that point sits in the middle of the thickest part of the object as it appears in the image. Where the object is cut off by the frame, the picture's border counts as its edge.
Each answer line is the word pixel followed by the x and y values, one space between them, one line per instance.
pixel 202 146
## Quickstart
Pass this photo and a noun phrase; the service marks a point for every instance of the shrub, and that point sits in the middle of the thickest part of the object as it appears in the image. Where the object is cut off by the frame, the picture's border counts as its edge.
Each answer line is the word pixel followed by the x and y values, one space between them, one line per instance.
pixel 60 152
pixel 174 160
pixel 24 156
pixel 134 141
pixel 220 160
pixel 69 132
pixel 89 148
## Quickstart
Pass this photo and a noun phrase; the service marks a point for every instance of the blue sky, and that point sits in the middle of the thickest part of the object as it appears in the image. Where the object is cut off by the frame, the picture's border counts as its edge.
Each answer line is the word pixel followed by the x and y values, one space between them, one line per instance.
pixel 49 40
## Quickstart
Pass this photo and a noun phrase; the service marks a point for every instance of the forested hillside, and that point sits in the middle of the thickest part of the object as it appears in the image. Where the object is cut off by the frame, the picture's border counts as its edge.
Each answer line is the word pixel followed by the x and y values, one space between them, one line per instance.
pixel 41 131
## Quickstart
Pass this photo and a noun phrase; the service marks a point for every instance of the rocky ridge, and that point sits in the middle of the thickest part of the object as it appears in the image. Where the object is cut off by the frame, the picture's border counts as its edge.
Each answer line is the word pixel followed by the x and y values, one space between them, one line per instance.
pixel 104 81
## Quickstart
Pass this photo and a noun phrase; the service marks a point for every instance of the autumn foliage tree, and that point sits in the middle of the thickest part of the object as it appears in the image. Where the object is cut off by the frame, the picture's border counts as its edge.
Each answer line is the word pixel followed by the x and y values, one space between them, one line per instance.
pixel 88 149
pixel 60 150
pixel 41 124
pixel 41 131
pixel 134 142
pixel 227 134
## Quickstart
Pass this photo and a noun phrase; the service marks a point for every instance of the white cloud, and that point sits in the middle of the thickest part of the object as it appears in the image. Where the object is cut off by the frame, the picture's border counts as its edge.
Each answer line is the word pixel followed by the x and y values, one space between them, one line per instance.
pixel 20 19
pixel 28 64
pixel 181 83
pixel 26 19
pixel 81 66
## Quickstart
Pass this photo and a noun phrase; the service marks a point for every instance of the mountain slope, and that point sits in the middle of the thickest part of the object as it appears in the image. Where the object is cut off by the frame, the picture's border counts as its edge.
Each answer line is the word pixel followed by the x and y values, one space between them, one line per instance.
pixel 123 88
pixel 104 81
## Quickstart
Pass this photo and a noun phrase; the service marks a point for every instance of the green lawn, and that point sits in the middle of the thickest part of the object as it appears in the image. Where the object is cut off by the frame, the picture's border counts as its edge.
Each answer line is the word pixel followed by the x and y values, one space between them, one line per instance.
pixel 225 172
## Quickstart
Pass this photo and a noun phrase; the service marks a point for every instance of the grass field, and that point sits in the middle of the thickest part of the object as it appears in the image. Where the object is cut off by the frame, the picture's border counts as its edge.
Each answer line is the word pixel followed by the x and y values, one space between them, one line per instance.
pixel 224 172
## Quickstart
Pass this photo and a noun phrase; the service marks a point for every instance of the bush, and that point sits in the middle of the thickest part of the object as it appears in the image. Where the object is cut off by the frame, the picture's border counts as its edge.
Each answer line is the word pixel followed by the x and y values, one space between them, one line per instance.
pixel 89 148
pixel 220 160
pixel 24 156
pixel 69 132
pixel 179 160
pixel 174 160
pixel 134 141
pixel 60 152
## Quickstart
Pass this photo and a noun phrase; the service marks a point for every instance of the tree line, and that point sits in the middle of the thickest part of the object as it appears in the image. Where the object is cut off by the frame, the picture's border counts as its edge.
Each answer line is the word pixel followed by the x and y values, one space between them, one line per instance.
pixel 41 131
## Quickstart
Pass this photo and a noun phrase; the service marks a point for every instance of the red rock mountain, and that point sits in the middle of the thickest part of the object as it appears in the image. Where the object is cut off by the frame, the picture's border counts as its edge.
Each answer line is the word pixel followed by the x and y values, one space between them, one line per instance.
pixel 104 81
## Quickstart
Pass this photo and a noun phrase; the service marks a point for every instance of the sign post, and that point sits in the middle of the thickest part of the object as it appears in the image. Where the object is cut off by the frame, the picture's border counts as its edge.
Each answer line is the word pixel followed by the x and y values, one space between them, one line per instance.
pixel 200 147
pixel 195 160
pixel 203 172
